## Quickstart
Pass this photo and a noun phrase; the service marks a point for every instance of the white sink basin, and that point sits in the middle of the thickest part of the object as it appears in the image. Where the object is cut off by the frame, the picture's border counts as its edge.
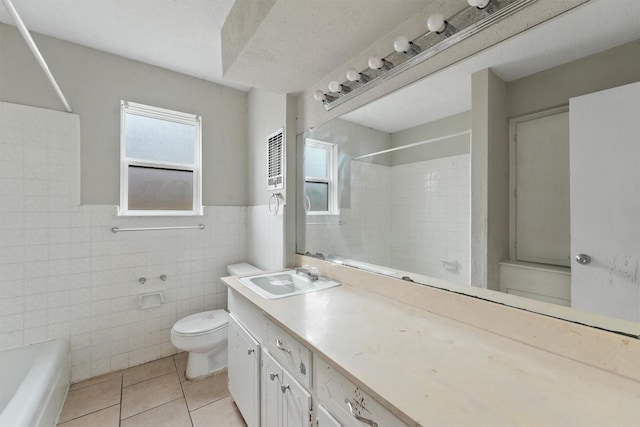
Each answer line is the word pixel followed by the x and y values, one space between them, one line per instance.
pixel 285 284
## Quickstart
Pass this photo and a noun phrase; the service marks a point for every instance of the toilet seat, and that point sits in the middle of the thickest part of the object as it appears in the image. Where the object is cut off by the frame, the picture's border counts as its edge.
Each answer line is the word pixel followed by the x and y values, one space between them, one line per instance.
pixel 201 323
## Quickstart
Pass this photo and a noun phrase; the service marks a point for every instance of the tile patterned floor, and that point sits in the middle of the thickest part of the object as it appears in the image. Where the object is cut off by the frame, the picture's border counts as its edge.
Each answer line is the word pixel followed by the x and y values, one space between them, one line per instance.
pixel 154 394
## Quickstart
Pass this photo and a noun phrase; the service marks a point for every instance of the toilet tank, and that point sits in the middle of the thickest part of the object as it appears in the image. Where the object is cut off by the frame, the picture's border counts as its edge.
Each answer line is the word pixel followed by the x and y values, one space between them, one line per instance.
pixel 242 268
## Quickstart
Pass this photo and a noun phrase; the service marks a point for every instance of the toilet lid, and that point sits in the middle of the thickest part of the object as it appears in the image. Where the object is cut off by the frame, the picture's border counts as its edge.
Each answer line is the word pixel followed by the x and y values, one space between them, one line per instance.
pixel 201 322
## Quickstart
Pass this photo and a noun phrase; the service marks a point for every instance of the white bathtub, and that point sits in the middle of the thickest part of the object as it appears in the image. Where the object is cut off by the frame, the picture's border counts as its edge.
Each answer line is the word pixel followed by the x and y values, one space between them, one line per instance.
pixel 35 381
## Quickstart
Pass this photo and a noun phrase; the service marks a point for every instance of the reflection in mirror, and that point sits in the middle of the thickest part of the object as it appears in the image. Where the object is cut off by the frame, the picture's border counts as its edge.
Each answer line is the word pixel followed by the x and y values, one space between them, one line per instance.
pixel 406 175
pixel 405 205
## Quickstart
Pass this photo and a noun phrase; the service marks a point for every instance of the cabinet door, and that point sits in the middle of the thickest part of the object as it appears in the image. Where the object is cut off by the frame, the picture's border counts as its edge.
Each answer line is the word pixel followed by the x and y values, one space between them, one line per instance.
pixel 243 371
pixel 271 380
pixel 325 419
pixel 296 403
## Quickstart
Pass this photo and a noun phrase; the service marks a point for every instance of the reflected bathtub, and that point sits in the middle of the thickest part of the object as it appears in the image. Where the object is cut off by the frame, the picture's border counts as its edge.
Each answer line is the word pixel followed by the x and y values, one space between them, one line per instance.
pixel 35 381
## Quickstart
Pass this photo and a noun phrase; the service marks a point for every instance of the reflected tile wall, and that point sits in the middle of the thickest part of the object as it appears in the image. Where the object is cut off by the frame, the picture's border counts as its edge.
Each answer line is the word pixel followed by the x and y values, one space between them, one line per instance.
pixel 431 219
pixel 410 217
pixel 63 273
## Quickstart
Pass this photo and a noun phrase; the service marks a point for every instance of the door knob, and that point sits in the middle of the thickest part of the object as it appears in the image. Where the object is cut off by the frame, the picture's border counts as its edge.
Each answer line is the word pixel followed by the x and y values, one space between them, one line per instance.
pixel 583 259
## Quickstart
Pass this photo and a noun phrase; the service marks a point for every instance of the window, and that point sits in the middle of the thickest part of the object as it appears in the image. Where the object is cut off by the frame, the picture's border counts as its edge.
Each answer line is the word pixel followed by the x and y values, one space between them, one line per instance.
pixel 321 177
pixel 160 168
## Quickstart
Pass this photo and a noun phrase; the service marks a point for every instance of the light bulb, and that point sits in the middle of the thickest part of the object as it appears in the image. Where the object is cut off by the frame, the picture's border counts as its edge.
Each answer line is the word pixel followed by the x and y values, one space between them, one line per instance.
pixel 334 86
pixel 402 44
pixel 375 63
pixel 319 95
pixel 353 75
pixel 436 23
pixel 480 4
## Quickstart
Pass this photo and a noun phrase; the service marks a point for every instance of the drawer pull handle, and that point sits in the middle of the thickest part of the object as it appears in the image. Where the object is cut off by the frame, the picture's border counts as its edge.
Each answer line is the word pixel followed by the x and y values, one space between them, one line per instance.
pixel 279 346
pixel 284 388
pixel 251 350
pixel 273 376
pixel 358 417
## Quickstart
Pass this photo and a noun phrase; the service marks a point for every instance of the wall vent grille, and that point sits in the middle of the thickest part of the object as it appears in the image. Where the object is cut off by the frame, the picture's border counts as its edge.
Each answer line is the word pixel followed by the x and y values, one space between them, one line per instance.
pixel 275 179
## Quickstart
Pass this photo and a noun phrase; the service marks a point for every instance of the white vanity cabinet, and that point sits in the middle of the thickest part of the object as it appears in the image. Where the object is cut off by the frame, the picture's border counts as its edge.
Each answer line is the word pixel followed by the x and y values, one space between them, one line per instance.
pixel 348 403
pixel 273 384
pixel 325 419
pixel 244 371
pixel 294 356
pixel 284 403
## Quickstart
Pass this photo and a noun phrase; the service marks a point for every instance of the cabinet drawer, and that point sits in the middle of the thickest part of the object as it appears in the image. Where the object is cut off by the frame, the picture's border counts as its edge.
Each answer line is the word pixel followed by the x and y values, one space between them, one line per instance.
pixel 247 313
pixel 292 355
pixel 334 391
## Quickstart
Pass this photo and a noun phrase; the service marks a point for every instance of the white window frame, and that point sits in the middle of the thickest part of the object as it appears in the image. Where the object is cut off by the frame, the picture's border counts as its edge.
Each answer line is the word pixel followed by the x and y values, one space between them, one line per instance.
pixel 332 176
pixel 167 115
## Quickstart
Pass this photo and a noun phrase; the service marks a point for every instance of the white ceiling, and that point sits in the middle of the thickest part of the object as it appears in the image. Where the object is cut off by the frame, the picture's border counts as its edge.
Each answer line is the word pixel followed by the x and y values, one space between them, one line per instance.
pixel 282 54
pixel 182 36
pixel 298 42
pixel 592 28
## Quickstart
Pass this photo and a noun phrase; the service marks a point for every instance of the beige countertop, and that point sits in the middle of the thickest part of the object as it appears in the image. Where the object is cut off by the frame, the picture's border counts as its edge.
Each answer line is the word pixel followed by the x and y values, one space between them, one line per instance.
pixel 431 370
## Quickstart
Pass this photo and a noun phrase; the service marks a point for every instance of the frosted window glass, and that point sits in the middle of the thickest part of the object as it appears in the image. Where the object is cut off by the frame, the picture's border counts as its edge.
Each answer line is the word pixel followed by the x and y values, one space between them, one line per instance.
pixel 315 162
pixel 160 189
pixel 159 140
pixel 318 194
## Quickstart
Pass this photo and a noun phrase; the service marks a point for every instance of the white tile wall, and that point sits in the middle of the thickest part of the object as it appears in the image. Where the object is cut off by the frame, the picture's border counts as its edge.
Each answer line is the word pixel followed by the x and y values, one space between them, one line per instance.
pixel 362 231
pixel 410 217
pixel 431 219
pixel 63 273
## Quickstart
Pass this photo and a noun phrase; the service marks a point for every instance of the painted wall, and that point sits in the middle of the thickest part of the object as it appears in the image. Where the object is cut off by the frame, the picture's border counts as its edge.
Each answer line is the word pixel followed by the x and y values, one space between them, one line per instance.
pixel 265 246
pixel 94 82
pixel 611 68
pixel 434 150
pixel 63 273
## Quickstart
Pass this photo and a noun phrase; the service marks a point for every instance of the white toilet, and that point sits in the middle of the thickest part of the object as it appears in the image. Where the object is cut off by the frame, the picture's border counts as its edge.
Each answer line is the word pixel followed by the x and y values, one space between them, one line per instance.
pixel 204 335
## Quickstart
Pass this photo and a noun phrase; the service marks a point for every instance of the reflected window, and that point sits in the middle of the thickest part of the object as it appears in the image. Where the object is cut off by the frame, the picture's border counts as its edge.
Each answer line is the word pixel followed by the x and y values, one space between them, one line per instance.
pixel 160 161
pixel 321 177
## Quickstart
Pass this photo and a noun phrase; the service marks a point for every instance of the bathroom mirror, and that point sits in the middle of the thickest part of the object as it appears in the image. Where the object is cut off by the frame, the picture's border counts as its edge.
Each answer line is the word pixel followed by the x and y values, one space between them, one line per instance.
pixel 388 187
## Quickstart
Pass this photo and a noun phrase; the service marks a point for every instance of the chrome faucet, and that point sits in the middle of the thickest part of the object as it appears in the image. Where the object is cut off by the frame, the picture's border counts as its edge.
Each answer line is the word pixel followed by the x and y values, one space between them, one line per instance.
pixel 311 273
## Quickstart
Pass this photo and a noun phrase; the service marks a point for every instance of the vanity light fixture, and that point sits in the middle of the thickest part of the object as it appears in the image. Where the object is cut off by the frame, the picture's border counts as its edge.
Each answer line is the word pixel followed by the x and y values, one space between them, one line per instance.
pixel 442 34
pixel 378 63
pixel 336 87
pixel 402 44
pixel 486 6
pixel 354 75
pixel 321 96
pixel 437 24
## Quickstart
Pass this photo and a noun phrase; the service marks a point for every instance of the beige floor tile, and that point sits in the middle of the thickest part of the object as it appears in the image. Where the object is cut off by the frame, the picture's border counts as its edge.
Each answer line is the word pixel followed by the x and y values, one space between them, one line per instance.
pixel 96 380
pixel 147 371
pixel 109 417
pixel 149 394
pixel 204 391
pixel 181 366
pixel 181 355
pixel 174 414
pixel 222 413
pixel 91 398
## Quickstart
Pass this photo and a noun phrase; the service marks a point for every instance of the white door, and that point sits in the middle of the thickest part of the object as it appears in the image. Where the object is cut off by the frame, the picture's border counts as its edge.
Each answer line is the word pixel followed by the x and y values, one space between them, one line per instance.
pixel 296 403
pixel 271 380
pixel 243 371
pixel 542 190
pixel 605 201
